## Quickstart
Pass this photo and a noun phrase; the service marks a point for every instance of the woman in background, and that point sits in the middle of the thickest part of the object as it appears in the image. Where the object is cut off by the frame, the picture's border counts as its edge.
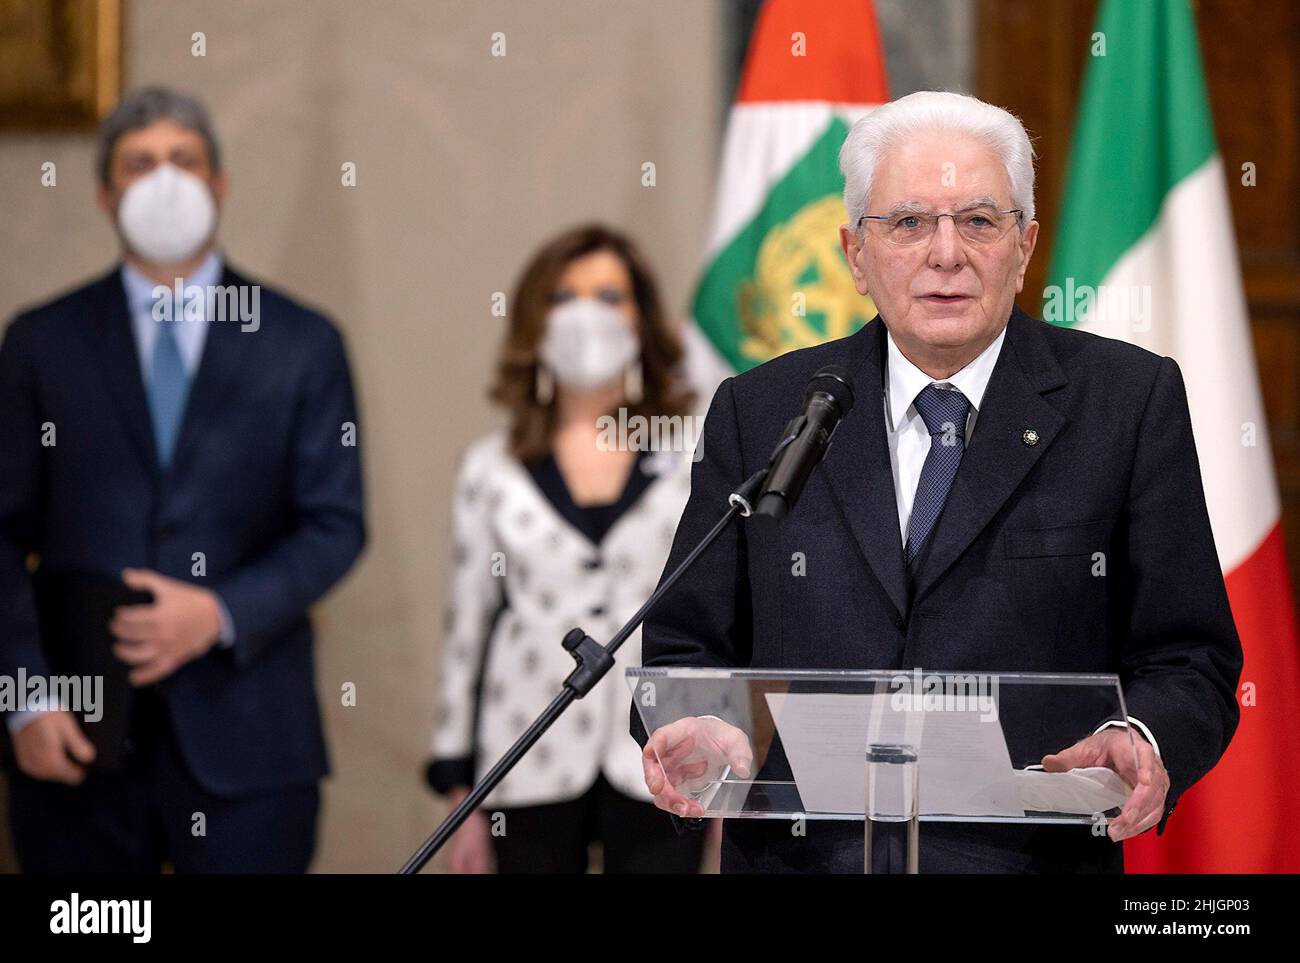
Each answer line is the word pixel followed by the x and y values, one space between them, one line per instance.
pixel 553 528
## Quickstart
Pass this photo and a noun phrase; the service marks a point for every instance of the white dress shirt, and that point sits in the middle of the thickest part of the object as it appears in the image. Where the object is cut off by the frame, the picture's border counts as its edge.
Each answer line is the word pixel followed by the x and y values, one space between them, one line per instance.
pixel 909 439
pixel 190 335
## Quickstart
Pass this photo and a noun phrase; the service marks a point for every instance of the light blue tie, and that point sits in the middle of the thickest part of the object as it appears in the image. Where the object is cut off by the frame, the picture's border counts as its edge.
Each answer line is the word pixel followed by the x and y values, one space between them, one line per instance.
pixel 169 383
pixel 944 413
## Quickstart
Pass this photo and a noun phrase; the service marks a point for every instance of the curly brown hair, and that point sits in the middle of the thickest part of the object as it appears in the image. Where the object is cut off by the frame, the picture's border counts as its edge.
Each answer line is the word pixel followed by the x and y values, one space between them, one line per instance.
pixel 664 389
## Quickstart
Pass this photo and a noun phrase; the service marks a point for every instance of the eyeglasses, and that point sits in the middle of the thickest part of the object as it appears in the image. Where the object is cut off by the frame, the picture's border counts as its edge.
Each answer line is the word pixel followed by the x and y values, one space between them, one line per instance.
pixel 980 225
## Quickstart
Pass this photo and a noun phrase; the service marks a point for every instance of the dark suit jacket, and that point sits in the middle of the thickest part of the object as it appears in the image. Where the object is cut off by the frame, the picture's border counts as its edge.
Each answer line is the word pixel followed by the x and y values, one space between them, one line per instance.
pixel 999 588
pixel 260 482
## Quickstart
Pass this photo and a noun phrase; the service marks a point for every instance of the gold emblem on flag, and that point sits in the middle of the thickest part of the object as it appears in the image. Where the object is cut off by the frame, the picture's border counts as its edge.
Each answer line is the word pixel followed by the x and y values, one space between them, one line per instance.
pixel 801 293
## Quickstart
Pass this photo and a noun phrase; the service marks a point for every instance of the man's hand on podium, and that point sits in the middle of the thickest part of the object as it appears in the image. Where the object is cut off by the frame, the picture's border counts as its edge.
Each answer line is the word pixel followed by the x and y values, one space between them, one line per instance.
pixel 1113 749
pixel 687 756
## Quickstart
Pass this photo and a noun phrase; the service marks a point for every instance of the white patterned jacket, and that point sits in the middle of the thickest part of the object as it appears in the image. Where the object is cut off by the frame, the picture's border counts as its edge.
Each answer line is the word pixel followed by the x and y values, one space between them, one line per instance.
pixel 522 576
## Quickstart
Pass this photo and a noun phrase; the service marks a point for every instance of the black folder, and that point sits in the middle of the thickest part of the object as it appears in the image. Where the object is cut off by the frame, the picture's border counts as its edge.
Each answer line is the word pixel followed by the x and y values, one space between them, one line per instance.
pixel 74 611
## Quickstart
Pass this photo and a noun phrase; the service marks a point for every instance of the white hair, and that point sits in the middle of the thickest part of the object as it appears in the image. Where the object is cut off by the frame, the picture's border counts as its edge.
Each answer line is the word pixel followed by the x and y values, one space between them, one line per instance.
pixel 875 134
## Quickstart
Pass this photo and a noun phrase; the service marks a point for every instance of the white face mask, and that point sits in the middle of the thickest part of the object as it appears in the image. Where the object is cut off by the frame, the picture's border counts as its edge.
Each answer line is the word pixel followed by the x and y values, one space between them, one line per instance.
pixel 587 343
pixel 167 215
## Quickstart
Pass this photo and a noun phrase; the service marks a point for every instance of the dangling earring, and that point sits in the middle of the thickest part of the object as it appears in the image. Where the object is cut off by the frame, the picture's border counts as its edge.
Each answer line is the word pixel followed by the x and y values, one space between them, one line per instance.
pixel 545 385
pixel 633 386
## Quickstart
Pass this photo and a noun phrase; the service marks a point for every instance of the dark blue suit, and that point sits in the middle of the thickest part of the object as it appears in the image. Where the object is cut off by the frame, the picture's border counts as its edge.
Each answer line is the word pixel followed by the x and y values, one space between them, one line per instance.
pixel 261 483
pixel 1005 581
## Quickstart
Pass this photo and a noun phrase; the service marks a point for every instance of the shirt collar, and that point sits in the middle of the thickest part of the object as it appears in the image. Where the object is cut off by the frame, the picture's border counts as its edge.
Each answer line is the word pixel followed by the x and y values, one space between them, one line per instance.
pixel 906 380
pixel 139 289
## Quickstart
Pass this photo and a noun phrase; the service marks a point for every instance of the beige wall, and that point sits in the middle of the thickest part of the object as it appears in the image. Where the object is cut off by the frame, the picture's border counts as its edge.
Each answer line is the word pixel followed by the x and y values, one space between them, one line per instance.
pixel 464 162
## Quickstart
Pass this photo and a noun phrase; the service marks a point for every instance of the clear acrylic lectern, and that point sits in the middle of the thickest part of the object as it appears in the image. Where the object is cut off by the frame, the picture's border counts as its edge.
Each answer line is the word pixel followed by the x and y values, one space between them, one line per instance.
pixel 889 746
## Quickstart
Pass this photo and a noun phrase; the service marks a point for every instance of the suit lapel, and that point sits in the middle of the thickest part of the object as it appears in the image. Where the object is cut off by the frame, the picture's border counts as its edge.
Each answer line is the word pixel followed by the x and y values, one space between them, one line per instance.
pixel 218 365
pixel 859 473
pixel 998 458
pixel 119 362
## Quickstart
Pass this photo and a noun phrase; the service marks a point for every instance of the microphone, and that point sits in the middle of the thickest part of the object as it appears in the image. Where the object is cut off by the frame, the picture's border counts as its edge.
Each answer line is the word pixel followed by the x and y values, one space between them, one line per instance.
pixel 828 398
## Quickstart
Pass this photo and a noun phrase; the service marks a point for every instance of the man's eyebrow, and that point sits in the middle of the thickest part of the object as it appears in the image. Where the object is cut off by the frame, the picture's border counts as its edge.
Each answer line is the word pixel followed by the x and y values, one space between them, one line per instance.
pixel 984 201
pixel 916 207
pixel 908 207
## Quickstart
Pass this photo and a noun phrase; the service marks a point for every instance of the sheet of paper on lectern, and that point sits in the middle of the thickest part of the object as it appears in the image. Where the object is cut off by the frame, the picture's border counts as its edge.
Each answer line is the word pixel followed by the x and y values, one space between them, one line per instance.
pixel 965 767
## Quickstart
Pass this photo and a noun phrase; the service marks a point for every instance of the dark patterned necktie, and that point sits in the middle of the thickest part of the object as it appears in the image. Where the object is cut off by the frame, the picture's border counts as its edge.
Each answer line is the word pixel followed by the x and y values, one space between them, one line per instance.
pixel 944 412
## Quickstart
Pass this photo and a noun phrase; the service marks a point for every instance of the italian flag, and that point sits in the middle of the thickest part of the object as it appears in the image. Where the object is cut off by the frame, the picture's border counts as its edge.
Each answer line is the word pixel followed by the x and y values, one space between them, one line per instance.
pixel 774 277
pixel 1146 253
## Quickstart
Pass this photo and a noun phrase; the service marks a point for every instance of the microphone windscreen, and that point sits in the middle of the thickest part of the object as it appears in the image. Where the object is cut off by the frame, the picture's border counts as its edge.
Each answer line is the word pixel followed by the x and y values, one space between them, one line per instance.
pixel 835 381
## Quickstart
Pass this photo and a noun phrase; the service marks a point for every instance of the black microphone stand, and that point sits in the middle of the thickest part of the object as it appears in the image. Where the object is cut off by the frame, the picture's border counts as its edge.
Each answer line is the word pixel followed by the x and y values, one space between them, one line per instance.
pixel 594 661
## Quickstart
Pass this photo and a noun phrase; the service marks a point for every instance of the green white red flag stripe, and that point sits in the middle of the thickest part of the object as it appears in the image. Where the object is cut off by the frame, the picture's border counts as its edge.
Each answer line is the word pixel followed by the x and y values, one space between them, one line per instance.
pixel 1146 253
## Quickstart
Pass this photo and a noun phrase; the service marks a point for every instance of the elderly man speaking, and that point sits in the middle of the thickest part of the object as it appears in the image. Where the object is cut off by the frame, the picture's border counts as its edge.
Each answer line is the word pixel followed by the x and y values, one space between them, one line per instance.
pixel 992 427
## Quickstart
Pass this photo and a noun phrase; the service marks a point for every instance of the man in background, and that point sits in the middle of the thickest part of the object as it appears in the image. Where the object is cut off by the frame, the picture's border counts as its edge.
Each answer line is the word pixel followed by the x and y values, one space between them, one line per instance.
pixel 180 482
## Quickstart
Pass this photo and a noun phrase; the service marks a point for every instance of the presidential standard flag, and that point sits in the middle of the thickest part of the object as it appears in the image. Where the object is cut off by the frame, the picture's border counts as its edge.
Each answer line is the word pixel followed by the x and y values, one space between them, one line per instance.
pixel 774 277
pixel 1146 253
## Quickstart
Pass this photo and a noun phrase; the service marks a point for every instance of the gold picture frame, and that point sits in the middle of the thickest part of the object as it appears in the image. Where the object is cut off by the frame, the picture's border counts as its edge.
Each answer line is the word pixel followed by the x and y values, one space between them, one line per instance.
pixel 60 63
